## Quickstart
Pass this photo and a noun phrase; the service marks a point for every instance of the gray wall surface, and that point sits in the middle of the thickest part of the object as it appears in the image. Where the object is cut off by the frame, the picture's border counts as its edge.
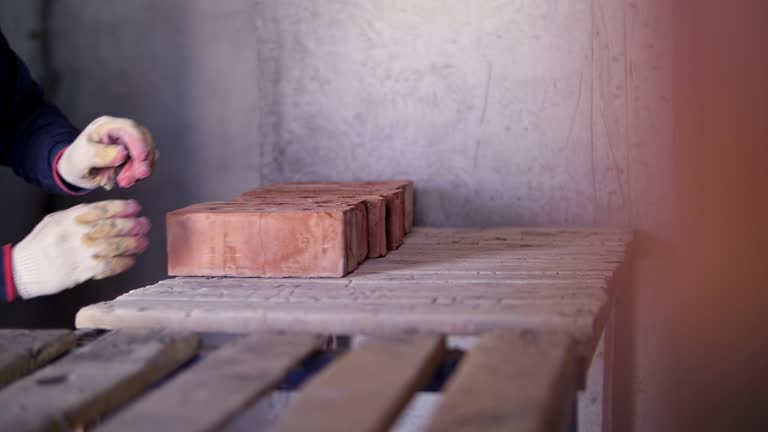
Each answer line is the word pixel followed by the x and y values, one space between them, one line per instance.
pixel 480 103
pixel 638 113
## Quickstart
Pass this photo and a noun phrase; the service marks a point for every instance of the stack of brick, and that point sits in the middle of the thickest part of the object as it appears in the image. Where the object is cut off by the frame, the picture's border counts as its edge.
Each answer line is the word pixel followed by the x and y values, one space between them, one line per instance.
pixel 291 230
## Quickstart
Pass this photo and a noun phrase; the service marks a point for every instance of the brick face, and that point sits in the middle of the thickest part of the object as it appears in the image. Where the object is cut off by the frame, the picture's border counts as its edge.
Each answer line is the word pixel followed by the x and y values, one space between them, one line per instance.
pixel 395 196
pixel 269 239
pixel 375 210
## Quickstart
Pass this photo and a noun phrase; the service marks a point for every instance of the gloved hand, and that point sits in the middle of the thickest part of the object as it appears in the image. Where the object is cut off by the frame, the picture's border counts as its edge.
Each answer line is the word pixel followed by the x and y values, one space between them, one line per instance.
pixel 109 150
pixel 88 241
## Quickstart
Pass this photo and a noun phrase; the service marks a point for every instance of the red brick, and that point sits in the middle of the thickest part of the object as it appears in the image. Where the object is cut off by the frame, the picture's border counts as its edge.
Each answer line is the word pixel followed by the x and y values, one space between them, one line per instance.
pixel 270 240
pixel 408 196
pixel 394 197
pixel 405 185
pixel 375 209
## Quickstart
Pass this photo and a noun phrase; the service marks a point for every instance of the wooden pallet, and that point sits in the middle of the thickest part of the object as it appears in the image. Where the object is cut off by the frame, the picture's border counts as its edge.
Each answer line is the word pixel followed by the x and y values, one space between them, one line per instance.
pixel 454 282
pixel 128 380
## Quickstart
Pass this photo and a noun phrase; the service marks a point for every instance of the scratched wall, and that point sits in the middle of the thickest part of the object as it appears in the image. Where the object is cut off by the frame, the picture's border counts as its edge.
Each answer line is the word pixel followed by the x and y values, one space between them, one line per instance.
pixel 484 104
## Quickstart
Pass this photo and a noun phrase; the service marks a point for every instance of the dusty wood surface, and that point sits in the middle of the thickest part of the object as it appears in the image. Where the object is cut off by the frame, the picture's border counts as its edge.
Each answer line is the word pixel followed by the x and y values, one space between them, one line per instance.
pixel 365 389
pixel 512 381
pixel 92 380
pixel 452 281
pixel 209 394
pixel 22 351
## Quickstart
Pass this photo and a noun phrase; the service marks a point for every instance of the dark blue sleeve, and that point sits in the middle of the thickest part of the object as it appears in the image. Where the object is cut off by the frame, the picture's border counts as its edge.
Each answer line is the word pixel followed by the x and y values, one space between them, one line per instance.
pixel 32 132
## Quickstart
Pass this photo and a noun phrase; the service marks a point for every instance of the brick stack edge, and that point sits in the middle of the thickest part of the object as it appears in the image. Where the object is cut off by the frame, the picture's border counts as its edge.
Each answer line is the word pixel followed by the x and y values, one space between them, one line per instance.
pixel 291 230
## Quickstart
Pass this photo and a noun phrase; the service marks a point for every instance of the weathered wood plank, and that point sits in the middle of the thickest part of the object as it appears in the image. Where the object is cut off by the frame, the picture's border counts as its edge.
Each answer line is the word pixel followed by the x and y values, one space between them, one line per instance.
pixel 421 293
pixel 269 287
pixel 374 279
pixel 22 351
pixel 472 266
pixel 360 392
pixel 534 232
pixel 364 318
pixel 356 290
pixel 460 277
pixel 92 380
pixel 205 397
pixel 416 285
pixel 511 381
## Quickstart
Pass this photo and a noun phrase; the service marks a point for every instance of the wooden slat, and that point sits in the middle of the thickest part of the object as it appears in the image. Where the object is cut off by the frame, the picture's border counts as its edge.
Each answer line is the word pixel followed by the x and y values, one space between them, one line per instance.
pixel 22 351
pixel 209 394
pixel 415 293
pixel 365 389
pixel 514 381
pixel 437 282
pixel 364 318
pixel 363 280
pixel 92 380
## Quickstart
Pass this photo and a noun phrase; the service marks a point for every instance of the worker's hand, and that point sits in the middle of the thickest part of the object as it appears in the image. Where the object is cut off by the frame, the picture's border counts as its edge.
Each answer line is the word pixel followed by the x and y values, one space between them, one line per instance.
pixel 109 150
pixel 88 241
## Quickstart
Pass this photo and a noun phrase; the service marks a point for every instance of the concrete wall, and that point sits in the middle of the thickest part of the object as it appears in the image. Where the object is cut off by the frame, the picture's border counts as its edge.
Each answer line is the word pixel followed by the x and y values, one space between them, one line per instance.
pixel 565 112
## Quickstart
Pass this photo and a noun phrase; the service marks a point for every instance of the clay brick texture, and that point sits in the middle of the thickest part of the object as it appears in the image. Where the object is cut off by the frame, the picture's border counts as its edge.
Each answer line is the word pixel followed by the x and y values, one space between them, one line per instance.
pixel 290 230
pixel 375 206
pixel 280 240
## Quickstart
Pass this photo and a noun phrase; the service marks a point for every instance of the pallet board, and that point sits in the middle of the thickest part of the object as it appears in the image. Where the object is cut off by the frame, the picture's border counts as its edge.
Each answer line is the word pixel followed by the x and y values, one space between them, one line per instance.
pixel 351 395
pixel 442 280
pixel 511 381
pixel 92 380
pixel 22 351
pixel 209 394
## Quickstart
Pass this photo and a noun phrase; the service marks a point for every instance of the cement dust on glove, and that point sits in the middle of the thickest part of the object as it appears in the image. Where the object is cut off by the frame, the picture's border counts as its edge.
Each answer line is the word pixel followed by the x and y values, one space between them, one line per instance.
pixel 109 151
pixel 69 247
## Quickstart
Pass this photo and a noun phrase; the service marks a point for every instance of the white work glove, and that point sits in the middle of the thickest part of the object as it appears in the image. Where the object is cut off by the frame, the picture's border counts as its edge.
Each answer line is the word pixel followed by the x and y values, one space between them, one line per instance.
pixel 109 150
pixel 88 241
